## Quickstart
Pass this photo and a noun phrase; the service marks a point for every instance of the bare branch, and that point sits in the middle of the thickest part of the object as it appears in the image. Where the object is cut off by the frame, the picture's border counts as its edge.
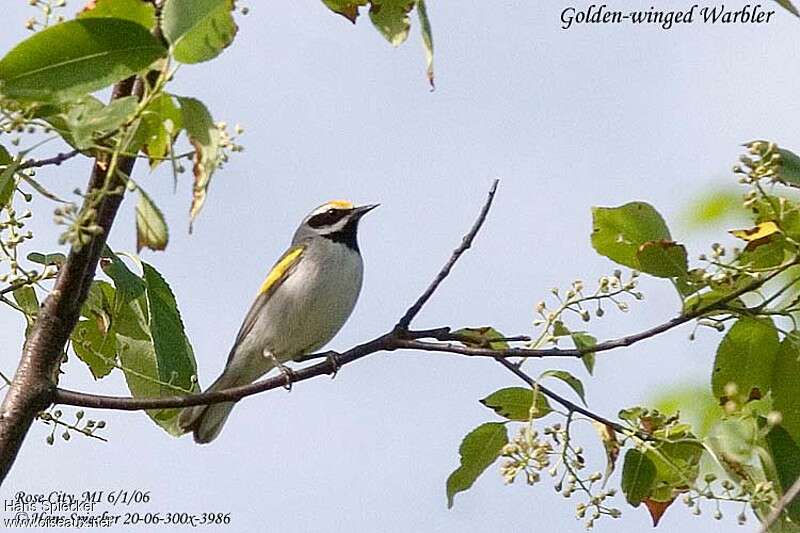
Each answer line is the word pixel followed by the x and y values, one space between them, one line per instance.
pixel 329 366
pixel 412 312
pixel 55 160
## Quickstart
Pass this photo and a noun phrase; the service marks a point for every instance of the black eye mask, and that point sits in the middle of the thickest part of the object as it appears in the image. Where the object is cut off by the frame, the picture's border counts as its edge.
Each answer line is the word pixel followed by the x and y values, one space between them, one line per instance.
pixel 328 218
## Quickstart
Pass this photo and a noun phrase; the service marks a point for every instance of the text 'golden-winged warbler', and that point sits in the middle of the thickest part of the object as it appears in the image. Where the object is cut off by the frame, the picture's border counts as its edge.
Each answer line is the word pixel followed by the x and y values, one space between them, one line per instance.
pixel 305 300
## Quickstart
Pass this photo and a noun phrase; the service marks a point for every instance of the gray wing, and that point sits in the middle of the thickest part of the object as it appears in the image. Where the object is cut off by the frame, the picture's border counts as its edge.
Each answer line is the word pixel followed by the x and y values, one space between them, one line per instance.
pixel 279 272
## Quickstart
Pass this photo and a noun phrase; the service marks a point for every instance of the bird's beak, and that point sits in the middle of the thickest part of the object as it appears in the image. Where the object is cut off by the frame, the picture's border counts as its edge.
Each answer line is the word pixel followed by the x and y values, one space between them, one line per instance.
pixel 362 210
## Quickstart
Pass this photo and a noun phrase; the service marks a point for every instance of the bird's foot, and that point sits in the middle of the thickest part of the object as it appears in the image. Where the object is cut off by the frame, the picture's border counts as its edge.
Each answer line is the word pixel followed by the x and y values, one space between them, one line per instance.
pixel 331 360
pixel 287 372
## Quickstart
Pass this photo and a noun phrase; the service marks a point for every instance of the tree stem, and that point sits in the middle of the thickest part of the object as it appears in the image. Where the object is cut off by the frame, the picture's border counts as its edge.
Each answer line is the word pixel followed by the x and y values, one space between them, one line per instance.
pixel 33 387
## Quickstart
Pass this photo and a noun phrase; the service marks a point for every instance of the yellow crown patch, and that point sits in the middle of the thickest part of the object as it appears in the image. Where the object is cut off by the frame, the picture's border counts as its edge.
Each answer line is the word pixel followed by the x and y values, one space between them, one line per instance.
pixel 340 204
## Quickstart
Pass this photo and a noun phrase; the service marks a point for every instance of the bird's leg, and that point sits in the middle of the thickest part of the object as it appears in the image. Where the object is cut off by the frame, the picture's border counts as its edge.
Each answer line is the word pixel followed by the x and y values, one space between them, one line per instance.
pixel 285 370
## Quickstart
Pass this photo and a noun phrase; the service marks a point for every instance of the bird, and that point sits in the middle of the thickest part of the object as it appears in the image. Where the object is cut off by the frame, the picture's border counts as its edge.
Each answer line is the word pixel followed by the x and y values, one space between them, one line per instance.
pixel 302 304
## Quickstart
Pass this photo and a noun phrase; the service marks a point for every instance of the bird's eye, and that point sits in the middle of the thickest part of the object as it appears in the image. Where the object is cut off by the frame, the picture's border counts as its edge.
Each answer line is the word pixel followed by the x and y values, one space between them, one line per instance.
pixel 331 211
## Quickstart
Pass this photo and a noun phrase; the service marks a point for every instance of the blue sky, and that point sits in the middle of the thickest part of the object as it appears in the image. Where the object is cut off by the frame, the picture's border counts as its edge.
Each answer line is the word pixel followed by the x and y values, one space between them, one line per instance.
pixel 597 115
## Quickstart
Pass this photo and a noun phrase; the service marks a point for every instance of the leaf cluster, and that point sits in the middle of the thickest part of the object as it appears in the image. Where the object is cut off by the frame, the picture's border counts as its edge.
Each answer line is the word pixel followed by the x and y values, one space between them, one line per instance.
pixel 747 450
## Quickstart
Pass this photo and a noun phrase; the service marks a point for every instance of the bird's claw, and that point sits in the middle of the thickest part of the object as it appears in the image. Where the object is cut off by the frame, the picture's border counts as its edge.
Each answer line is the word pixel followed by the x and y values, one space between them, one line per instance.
pixel 287 372
pixel 331 359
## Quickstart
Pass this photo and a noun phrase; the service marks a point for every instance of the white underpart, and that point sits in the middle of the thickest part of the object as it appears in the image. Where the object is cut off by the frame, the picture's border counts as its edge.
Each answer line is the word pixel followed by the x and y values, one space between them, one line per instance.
pixel 305 311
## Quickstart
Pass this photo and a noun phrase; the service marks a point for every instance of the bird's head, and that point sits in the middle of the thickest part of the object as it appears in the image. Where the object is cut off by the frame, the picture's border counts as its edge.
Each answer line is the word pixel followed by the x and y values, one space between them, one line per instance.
pixel 336 220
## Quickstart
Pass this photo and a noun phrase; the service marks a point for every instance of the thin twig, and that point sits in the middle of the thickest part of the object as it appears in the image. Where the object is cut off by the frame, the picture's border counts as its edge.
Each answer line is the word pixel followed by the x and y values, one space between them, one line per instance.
pixel 412 312
pixel 55 160
pixel 73 427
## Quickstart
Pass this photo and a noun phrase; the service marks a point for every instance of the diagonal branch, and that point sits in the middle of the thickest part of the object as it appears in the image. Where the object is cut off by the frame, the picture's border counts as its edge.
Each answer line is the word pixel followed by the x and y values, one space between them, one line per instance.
pixel 466 243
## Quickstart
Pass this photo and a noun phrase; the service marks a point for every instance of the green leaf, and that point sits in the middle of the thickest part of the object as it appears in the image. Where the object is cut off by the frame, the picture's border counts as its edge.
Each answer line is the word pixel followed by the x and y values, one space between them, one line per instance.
pixel 677 466
pixel 76 57
pixel 65 117
pixel 142 13
pixel 99 304
pixel 632 414
pixel 151 228
pixel 618 232
pixel 790 165
pixel 787 5
pixel 25 297
pixel 95 346
pixel 390 17
pixel 638 476
pixel 574 383
pixel 347 8
pixel 514 403
pixel 205 137
pixel 479 449
pixel 735 440
pixel 766 253
pixel 482 337
pixel 427 38
pixel 47 259
pixel 198 30
pixel 129 286
pixel 703 299
pixel 786 385
pixel 138 357
pixel 153 349
pixel 746 357
pixel 159 124
pixel 174 354
pixel 663 259
pixel 5 157
pixel 583 341
pixel 785 455
pixel 8 182
pixel 790 218
pixel 559 329
pixel 86 123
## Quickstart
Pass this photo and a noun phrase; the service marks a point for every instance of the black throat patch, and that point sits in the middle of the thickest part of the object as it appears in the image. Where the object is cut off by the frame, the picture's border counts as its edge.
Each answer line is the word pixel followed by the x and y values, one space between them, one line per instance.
pixel 346 235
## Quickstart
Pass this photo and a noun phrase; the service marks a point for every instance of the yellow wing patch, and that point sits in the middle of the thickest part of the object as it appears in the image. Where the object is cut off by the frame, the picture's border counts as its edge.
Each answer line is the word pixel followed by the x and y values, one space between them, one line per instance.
pixel 281 268
pixel 341 204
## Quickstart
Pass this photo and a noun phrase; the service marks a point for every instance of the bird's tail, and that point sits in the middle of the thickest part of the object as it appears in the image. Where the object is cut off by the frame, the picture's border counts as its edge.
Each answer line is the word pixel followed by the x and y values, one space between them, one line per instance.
pixel 206 421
